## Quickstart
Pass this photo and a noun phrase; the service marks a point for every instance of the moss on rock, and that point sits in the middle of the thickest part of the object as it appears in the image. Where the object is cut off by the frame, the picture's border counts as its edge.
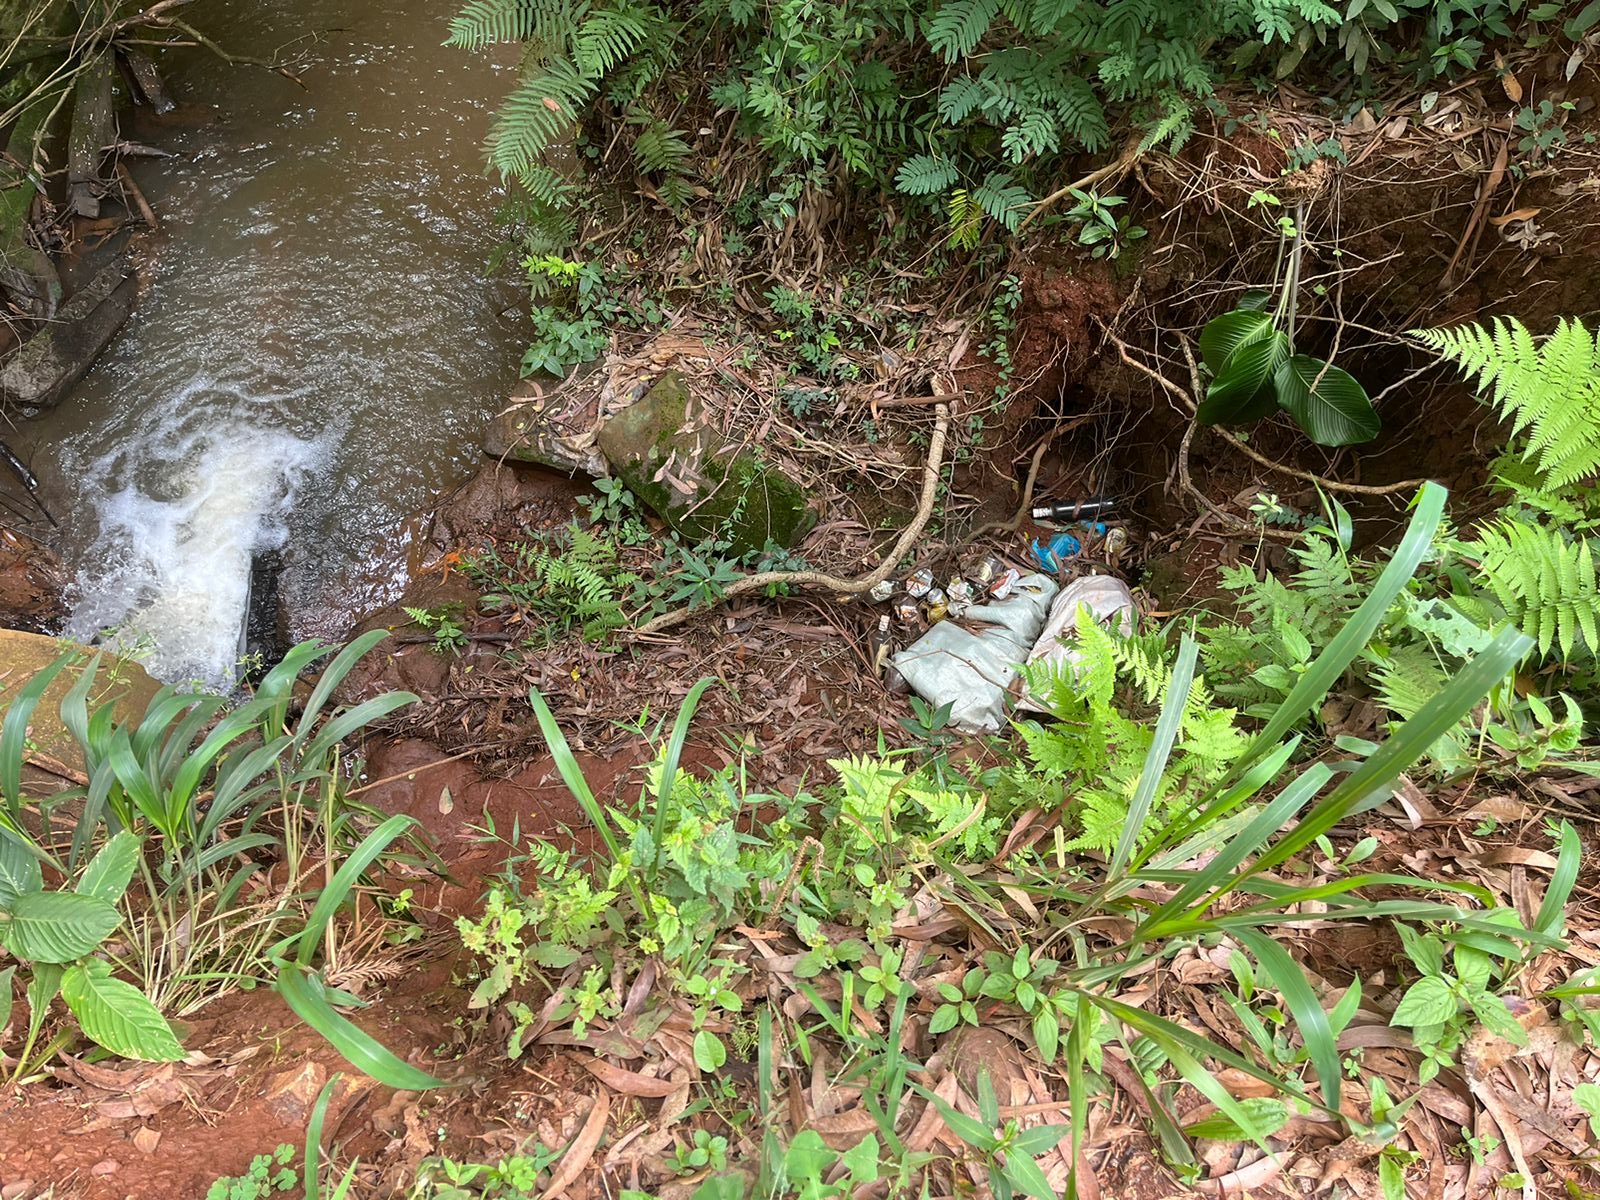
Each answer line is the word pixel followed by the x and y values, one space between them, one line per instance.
pixel 687 474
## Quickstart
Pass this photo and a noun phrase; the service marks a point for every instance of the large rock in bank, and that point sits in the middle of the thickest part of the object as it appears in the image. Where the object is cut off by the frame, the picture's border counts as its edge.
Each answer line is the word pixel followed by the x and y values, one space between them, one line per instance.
pixel 666 451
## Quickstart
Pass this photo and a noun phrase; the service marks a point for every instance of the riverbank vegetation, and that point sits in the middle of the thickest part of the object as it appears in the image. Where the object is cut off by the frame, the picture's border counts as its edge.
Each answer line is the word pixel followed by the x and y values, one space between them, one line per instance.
pixel 1284 889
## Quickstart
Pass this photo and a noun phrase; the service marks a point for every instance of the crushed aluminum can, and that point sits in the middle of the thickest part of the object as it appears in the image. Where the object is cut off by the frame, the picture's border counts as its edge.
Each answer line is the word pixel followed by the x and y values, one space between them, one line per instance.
pixel 936 596
pixel 961 592
pixel 987 571
pixel 1004 584
pixel 1116 541
pixel 938 610
pixel 958 608
pixel 919 583
pixel 881 591
pixel 907 613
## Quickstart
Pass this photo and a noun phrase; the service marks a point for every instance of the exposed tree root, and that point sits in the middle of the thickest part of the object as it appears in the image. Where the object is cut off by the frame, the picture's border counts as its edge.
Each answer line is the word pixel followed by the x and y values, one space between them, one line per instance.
pixel 821 580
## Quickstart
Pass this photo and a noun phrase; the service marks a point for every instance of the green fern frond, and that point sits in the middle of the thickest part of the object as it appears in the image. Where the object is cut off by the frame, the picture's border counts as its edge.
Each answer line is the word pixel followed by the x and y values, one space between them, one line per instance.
pixel 959 25
pixel 1550 391
pixel 489 22
pixel 925 175
pixel 540 112
pixel 606 38
pixel 1545 584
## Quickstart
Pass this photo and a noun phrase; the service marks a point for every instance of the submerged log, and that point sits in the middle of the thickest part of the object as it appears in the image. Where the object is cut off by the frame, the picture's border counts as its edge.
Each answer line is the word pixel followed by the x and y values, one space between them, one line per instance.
pixel 39 374
pixel 147 80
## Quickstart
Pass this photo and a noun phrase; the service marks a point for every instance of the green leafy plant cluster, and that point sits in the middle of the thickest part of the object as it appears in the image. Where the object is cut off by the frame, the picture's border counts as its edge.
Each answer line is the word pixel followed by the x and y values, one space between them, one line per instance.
pixel 570 579
pixel 1530 564
pixel 267 1175
pixel 965 108
pixel 165 846
pixel 575 305
pixel 1214 824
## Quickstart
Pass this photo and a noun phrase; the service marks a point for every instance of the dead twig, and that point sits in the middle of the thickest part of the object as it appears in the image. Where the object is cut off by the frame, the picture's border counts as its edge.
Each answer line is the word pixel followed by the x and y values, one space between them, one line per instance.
pixel 821 579
pixel 1112 170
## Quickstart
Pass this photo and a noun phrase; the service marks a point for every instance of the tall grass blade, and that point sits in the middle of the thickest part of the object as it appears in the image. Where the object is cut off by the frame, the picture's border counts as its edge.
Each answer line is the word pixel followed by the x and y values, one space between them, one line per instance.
pixel 14 731
pixel 319 1114
pixel 669 763
pixel 1428 512
pixel 572 774
pixel 342 884
pixel 1316 1031
pixel 1155 763
pixel 305 994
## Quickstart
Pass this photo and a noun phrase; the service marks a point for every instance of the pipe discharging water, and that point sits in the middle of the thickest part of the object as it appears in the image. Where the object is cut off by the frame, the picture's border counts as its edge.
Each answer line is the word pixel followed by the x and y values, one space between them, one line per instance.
pixel 317 348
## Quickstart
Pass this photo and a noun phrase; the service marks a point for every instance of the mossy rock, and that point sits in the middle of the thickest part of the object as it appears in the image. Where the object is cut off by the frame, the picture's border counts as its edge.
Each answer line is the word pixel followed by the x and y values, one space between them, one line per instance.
pixel 118 681
pixel 661 449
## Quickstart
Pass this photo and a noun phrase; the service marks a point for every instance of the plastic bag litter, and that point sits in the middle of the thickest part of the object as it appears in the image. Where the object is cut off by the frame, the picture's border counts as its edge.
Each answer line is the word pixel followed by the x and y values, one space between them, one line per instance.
pixel 1109 602
pixel 971 670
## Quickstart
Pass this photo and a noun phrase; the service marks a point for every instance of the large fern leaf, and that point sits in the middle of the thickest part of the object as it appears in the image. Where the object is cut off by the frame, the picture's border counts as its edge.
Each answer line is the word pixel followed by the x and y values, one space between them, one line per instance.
pixel 1549 391
pixel 1545 583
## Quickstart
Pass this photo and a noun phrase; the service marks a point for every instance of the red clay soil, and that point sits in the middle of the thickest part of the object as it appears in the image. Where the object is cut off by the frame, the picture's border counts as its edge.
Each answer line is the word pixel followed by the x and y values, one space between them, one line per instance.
pixel 147 1132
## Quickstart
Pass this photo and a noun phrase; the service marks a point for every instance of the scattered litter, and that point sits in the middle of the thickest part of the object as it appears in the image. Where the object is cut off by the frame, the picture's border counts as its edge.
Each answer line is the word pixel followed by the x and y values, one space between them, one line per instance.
pixel 987 571
pixel 919 583
pixel 970 671
pixel 880 645
pixel 1073 510
pixel 881 591
pixel 1004 584
pixel 1109 602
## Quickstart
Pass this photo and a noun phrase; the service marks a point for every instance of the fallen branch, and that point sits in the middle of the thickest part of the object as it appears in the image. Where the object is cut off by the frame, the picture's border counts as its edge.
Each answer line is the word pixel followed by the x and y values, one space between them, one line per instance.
pixel 1112 170
pixel 821 580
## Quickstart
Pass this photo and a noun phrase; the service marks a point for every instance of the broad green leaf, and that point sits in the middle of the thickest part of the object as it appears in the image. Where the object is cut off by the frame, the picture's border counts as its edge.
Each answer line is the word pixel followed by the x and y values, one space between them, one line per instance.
pixel 19 869
pixel 1493 1014
pixel 307 996
pixel 1326 401
pixel 1225 335
pixel 1428 1001
pixel 108 874
pixel 117 1015
pixel 1243 390
pixel 56 927
pixel 5 995
pixel 709 1052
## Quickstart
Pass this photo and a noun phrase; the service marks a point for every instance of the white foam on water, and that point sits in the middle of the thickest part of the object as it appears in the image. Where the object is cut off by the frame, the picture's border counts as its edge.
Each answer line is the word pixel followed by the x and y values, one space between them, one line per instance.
pixel 181 511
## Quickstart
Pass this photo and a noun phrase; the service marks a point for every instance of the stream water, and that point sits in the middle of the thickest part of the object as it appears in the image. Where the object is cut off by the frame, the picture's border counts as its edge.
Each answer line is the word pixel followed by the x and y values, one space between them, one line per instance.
pixel 317 348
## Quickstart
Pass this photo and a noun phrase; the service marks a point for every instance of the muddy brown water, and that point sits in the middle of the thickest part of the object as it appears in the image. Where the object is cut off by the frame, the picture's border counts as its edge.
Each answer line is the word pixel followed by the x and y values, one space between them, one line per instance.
pixel 318 347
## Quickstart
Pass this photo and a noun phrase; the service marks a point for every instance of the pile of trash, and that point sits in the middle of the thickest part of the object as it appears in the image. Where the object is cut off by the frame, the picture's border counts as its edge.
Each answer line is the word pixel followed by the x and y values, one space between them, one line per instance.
pixel 991 620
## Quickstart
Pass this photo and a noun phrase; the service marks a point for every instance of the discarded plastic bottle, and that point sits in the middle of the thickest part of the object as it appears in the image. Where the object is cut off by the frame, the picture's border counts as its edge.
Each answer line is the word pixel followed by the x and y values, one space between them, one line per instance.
pixel 880 644
pixel 1073 510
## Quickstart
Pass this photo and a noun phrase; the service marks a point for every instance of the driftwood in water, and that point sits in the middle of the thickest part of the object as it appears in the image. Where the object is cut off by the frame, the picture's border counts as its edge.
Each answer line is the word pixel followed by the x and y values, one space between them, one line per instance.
pixel 146 80
pixel 39 374
pixel 92 131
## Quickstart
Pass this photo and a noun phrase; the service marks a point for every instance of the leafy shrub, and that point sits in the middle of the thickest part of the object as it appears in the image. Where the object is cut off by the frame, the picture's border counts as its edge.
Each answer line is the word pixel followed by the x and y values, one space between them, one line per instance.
pixel 188 802
pixel 967 108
